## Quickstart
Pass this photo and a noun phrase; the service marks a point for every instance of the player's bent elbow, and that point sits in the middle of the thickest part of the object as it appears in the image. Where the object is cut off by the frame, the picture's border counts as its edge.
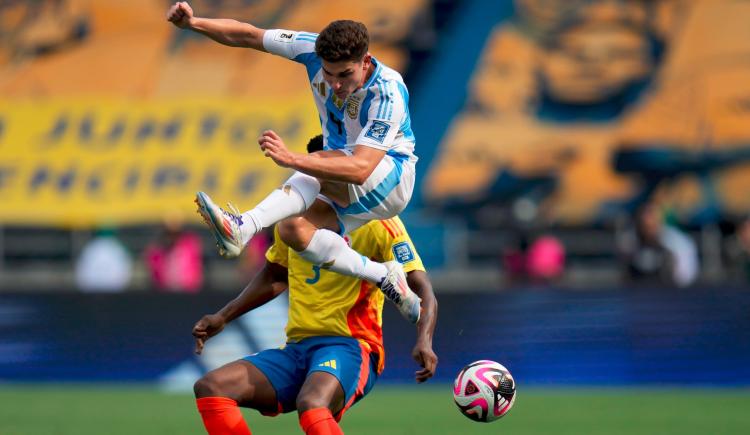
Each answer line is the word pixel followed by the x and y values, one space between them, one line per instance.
pixel 357 177
pixel 360 179
pixel 362 175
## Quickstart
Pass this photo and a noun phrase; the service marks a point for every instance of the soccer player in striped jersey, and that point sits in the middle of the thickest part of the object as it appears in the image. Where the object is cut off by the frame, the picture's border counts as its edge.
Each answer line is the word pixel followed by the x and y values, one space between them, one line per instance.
pixel 365 172
pixel 334 351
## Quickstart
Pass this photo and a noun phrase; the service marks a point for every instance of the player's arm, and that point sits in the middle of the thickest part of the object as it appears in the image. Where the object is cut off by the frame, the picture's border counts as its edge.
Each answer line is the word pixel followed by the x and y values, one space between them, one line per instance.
pixel 385 115
pixel 422 352
pixel 270 282
pixel 339 166
pixel 224 31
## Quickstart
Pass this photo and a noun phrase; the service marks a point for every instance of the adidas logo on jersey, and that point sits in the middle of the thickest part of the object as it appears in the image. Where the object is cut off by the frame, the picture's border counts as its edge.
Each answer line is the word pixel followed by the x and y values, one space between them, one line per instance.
pixel 329 363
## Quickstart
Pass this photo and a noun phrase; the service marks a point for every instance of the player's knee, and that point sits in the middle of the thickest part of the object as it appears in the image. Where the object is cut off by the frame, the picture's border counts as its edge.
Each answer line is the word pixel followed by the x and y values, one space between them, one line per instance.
pixel 292 232
pixel 207 386
pixel 310 401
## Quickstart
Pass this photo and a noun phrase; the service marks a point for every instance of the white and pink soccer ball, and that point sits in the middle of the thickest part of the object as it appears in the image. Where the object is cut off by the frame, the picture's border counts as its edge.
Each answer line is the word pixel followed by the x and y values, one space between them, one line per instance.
pixel 484 391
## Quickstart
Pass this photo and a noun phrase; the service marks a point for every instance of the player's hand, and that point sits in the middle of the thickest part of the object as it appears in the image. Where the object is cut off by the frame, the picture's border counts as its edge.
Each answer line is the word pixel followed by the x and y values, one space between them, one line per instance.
pixel 273 147
pixel 208 326
pixel 426 358
pixel 180 15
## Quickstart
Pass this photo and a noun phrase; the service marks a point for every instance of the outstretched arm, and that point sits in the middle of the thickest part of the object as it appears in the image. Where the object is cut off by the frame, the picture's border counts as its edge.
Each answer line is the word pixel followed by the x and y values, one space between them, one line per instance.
pixel 224 31
pixel 270 282
pixel 422 351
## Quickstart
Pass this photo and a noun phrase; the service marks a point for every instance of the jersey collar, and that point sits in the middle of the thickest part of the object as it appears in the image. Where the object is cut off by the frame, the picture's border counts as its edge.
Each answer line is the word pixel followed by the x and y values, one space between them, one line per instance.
pixel 375 74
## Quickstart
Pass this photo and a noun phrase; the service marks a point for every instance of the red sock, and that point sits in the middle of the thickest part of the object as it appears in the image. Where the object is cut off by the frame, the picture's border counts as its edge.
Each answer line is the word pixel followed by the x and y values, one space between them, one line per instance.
pixel 319 421
pixel 222 416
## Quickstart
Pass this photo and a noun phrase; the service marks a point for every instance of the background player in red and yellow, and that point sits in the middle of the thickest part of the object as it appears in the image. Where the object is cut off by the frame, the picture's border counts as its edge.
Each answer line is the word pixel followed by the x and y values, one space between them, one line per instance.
pixel 334 351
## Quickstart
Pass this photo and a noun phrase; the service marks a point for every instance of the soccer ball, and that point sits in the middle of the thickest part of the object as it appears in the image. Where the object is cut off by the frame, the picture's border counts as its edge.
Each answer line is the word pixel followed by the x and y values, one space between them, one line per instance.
pixel 484 391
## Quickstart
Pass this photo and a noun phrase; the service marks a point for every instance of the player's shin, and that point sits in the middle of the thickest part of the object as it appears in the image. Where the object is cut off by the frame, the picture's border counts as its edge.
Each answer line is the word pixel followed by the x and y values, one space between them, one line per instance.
pixel 294 197
pixel 319 421
pixel 331 252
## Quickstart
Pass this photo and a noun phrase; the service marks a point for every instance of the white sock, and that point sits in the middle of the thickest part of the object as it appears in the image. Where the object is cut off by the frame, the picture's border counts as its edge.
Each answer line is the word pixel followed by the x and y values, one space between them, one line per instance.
pixel 294 197
pixel 330 251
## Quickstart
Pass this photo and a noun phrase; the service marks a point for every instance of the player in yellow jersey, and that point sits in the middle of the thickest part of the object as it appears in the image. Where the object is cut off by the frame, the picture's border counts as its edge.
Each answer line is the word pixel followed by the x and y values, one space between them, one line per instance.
pixel 334 351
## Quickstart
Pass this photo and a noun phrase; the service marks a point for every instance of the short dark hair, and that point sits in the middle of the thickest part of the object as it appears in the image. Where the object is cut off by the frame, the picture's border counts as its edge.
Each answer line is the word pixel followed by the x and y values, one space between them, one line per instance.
pixel 343 40
pixel 315 144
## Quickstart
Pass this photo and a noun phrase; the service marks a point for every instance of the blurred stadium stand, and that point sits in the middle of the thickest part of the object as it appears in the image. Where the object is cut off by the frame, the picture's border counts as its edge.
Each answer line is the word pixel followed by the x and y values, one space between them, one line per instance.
pixel 575 113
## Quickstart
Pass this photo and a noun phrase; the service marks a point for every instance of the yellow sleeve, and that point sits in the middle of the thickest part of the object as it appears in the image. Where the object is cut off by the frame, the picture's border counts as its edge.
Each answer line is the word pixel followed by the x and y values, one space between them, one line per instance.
pixel 278 252
pixel 397 244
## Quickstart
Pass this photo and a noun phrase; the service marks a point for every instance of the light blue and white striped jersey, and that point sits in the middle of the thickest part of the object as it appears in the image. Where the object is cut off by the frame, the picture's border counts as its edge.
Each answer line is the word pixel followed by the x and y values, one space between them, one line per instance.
pixel 376 115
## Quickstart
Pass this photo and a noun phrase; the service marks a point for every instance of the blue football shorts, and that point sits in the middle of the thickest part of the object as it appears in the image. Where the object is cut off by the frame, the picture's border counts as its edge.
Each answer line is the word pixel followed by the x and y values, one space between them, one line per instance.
pixel 343 357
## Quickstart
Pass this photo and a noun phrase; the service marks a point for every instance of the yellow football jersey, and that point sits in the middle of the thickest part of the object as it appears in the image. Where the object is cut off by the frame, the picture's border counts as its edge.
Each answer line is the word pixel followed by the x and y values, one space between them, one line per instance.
pixel 322 302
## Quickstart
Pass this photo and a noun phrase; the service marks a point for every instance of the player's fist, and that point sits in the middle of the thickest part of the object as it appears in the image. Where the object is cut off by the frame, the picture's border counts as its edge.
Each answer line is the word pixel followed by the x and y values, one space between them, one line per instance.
pixel 180 15
pixel 208 326
pixel 425 357
pixel 273 146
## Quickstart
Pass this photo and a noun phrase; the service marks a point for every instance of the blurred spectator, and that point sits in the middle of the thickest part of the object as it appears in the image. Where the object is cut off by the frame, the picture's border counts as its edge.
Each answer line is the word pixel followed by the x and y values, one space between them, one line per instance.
pixel 175 259
pixel 739 252
pixel 654 253
pixel 545 260
pixel 513 259
pixel 104 264
pixel 541 262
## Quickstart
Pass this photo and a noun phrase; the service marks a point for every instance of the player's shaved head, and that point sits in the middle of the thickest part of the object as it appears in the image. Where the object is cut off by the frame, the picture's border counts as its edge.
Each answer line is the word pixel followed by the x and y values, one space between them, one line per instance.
pixel 315 144
pixel 343 40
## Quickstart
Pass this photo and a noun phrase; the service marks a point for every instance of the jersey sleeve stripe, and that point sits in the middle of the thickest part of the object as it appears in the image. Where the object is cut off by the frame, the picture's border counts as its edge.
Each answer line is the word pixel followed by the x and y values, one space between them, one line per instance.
pixel 397 226
pixel 380 105
pixel 390 101
pixel 385 100
pixel 388 228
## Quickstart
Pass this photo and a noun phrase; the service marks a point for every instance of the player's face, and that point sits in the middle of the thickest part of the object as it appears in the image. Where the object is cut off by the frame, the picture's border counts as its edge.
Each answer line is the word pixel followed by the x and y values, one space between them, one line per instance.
pixel 345 77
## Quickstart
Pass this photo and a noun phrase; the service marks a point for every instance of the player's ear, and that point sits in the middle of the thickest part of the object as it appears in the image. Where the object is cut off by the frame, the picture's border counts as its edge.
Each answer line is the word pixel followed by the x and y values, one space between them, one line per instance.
pixel 366 60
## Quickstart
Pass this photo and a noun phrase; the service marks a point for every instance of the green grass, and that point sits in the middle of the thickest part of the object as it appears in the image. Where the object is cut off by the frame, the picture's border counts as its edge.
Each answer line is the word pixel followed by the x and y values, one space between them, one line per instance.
pixel 81 410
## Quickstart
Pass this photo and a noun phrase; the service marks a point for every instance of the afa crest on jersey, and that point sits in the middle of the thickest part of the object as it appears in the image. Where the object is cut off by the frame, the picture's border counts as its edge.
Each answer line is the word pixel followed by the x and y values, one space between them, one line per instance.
pixel 352 107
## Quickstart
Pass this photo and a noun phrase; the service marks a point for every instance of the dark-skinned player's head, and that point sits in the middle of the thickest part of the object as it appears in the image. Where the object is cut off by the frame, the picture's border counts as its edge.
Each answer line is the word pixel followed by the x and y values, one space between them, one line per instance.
pixel 315 144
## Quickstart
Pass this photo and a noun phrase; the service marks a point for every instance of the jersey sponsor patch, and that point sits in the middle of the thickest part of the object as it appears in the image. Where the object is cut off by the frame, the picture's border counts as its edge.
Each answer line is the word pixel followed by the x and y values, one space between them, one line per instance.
pixel 403 253
pixel 287 37
pixel 378 131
